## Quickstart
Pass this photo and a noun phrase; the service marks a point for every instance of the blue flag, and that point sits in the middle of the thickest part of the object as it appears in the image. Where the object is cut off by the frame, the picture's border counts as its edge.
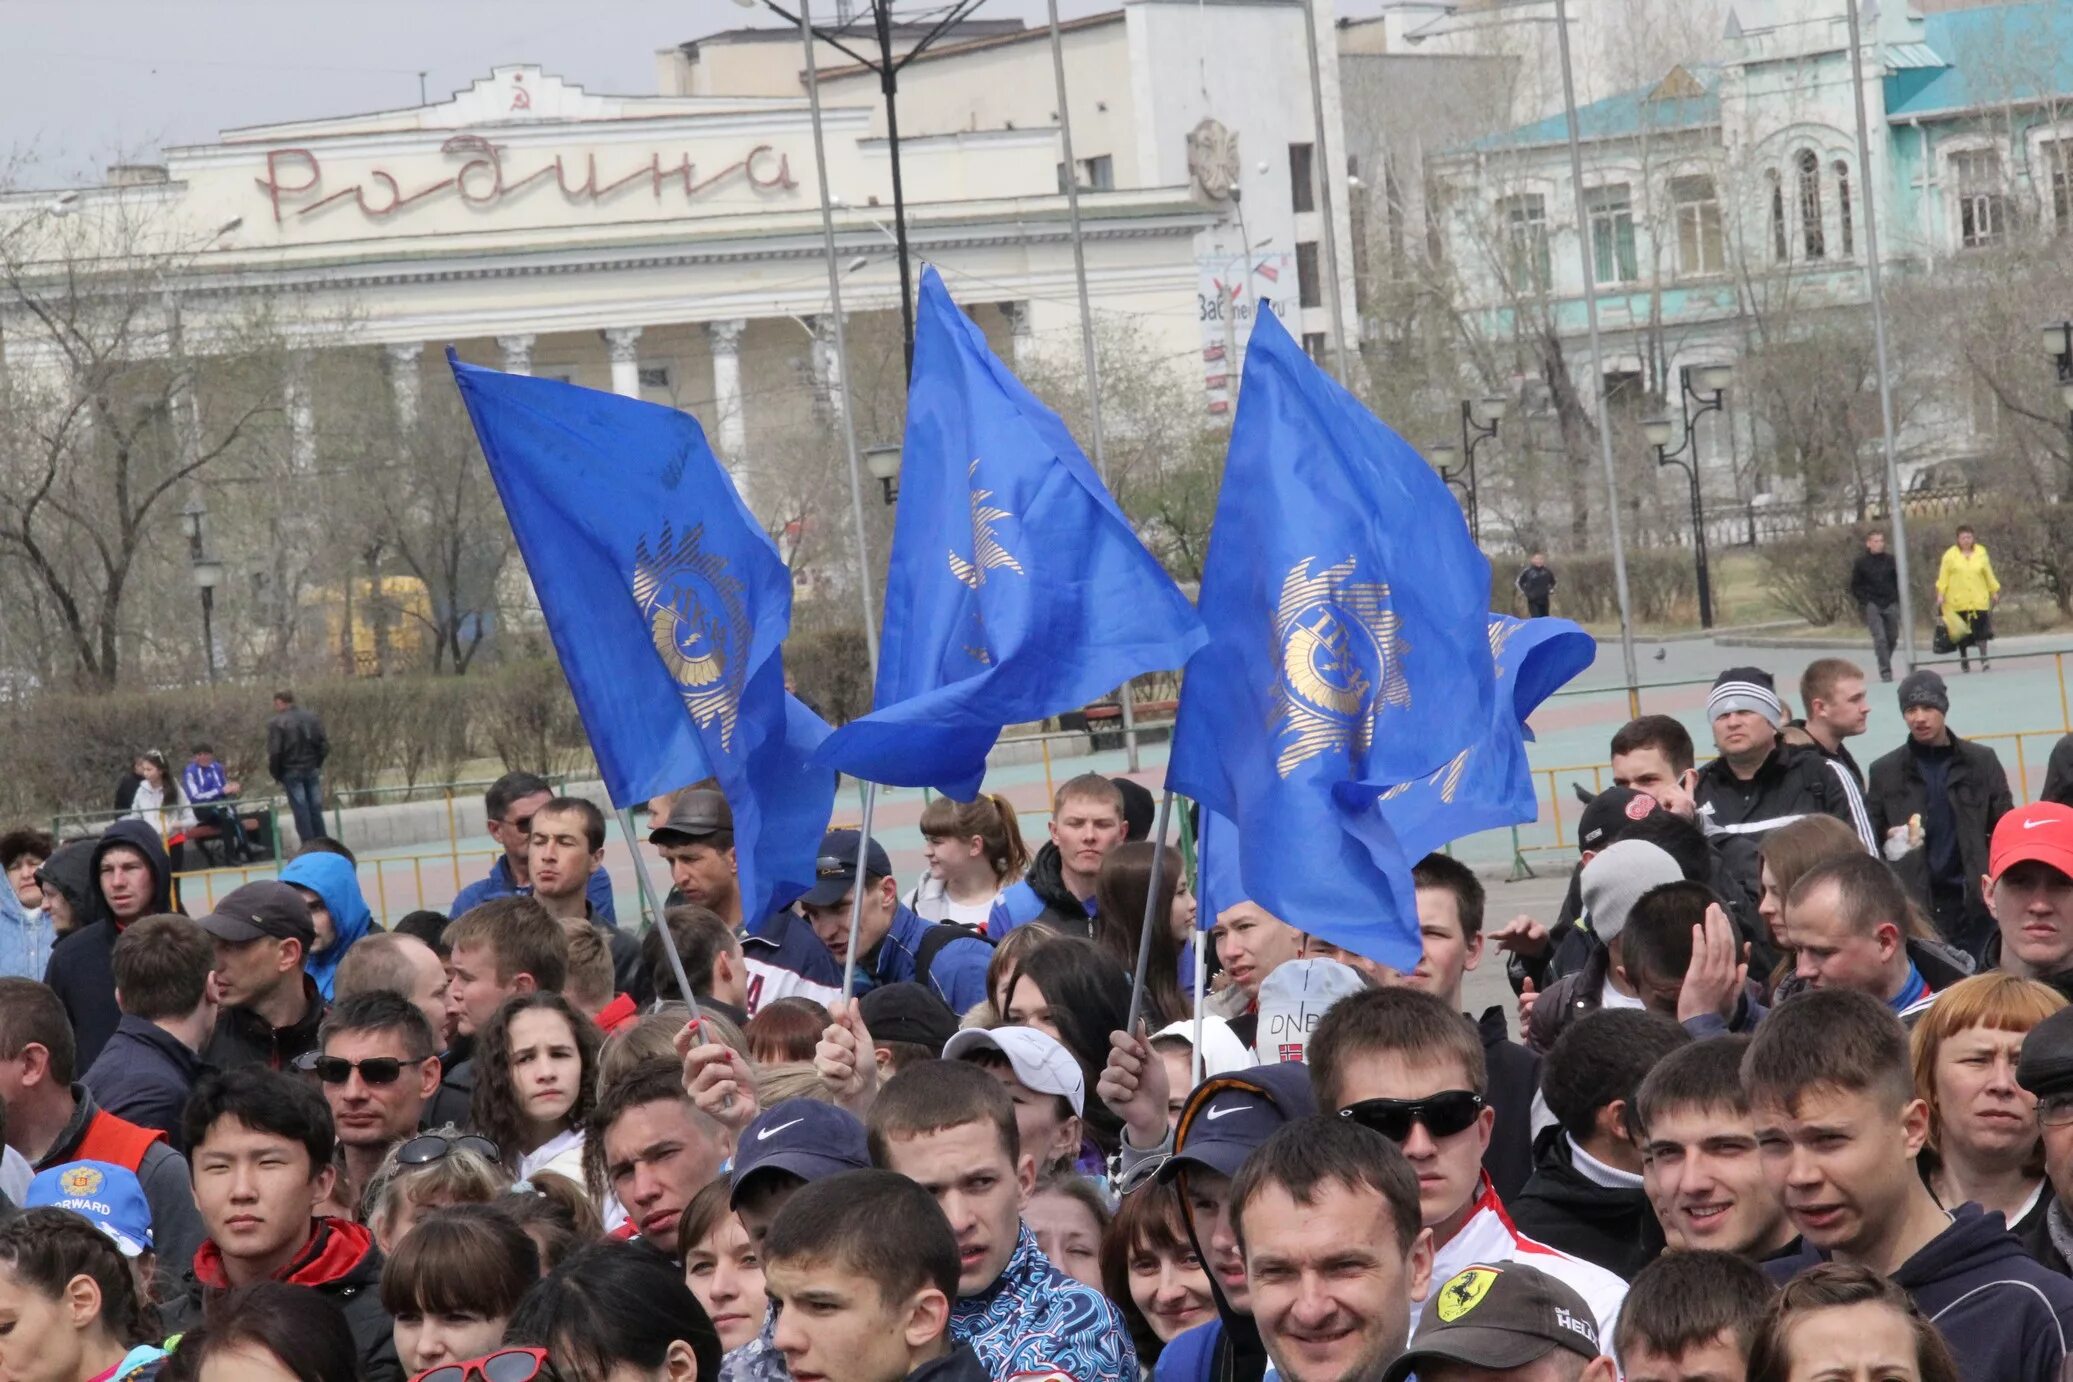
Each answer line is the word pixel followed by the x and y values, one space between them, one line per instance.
pixel 1489 784
pixel 1217 887
pixel 1017 587
pixel 1347 607
pixel 667 604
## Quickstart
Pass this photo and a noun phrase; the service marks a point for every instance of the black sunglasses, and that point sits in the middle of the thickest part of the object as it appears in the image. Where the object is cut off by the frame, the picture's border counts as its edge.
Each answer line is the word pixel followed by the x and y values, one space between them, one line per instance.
pixel 429 1147
pixel 1443 1114
pixel 337 1069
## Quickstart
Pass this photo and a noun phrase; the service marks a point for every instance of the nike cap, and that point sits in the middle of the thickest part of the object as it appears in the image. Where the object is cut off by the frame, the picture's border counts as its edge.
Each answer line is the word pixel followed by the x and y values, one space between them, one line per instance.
pixel 1226 1118
pixel 810 1139
pixel 2042 831
pixel 1038 1060
pixel 1498 1316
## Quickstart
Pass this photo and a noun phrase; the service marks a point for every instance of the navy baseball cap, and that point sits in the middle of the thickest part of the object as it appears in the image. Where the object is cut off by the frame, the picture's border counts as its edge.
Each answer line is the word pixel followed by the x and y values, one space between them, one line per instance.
pixel 1229 1116
pixel 811 1139
pixel 835 867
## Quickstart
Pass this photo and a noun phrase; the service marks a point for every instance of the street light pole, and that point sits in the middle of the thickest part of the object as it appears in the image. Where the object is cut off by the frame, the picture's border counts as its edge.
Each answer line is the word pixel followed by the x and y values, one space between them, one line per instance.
pixel 1458 466
pixel 1322 169
pixel 207 575
pixel 1707 388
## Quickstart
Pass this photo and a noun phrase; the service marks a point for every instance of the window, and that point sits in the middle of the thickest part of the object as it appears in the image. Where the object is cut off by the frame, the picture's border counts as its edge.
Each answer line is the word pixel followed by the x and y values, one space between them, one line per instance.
pixel 1526 240
pixel 1309 280
pixel 1982 198
pixel 1302 178
pixel 1313 345
pixel 654 376
pixel 1701 247
pixel 1842 206
pixel 1097 174
pixel 1811 237
pixel 2058 169
pixel 1780 250
pixel 1611 211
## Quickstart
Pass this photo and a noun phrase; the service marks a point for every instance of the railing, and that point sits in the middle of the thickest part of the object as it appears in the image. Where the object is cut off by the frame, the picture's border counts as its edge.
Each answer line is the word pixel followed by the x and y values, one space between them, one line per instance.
pixel 388 895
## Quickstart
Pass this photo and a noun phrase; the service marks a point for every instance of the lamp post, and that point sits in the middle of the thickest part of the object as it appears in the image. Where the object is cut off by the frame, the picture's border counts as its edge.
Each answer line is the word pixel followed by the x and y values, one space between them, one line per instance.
pixel 1457 465
pixel 1706 387
pixel 883 462
pixel 207 575
pixel 2058 339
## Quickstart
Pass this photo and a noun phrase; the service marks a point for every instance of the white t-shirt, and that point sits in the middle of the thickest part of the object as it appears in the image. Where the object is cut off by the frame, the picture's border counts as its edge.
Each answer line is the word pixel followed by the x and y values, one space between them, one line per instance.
pixel 931 903
pixel 1610 997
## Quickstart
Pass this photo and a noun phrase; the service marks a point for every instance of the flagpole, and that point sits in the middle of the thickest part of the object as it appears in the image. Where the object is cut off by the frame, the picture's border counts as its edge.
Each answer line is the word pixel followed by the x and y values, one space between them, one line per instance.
pixel 856 893
pixel 1151 903
pixel 1326 176
pixel 1201 981
pixel 652 910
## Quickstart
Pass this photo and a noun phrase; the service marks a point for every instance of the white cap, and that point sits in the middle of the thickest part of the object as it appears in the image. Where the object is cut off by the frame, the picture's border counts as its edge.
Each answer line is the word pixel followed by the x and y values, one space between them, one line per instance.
pixel 1037 1059
pixel 1222 1051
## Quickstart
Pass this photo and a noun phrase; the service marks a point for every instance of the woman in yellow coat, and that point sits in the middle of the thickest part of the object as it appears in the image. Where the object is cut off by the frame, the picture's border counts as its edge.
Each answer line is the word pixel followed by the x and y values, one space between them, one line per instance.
pixel 1966 592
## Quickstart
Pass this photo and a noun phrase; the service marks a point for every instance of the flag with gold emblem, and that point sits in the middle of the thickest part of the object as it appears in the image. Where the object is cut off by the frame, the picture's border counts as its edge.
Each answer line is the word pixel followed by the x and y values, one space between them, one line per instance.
pixel 1017 587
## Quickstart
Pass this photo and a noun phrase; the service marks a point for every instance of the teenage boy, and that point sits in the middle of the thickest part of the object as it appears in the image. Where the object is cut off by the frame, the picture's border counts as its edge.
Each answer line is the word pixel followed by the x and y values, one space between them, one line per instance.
pixel 271 1008
pixel 1586 1195
pixel 2029 891
pixel 894 945
pixel 498 950
pixel 1705 986
pixel 1841 1128
pixel 1832 693
pixel 1086 823
pixel 1846 921
pixel 653 1150
pixel 1404 1064
pixel 1326 1214
pixel 1612 882
pixel 861 1268
pixel 378 1065
pixel 1701 1165
pixel 262 1145
pixel 1691 1317
pixel 130 875
pixel 950 1128
pixel 713 956
pixel 564 852
pixel 163 967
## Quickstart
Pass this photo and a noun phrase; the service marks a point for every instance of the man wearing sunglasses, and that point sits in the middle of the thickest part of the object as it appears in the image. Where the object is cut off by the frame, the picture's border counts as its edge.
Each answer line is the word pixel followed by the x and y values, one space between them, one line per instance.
pixel 378 1066
pixel 1405 1064
pixel 509 804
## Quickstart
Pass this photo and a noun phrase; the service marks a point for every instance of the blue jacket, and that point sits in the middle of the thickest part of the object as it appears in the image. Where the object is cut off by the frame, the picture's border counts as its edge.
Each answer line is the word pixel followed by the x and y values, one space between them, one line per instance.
pixel 957 971
pixel 332 878
pixel 1035 1318
pixel 25 937
pixel 1191 1355
pixel 1040 896
pixel 144 1074
pixel 499 884
pixel 201 784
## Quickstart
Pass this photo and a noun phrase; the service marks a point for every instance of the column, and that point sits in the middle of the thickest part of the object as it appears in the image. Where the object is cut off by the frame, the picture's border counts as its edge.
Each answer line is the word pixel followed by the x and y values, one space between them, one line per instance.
pixel 726 343
pixel 622 345
pixel 302 414
pixel 1022 338
pixel 826 365
pixel 400 362
pixel 518 353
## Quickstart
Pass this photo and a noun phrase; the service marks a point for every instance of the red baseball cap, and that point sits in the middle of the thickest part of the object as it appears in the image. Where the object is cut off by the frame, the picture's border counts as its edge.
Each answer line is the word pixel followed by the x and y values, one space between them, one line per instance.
pixel 2042 831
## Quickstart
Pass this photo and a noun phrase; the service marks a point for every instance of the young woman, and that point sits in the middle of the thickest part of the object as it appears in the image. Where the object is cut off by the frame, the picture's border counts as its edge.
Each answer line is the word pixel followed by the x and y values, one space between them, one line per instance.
pixel 1150 1270
pixel 1984 1144
pixel 430 1171
pixel 553 1211
pixel 452 1283
pixel 269 1331
pixel 786 1029
pixel 618 1312
pixel 1838 1321
pixel 1073 991
pixel 1068 1216
pixel 1966 592
pixel 1007 958
pixel 975 852
pixel 721 1266
pixel 1120 890
pixel 69 1310
pixel 535 1082
pixel 158 801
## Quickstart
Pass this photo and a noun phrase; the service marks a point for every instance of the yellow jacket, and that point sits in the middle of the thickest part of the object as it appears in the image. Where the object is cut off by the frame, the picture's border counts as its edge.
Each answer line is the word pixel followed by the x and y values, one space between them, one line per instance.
pixel 1967 583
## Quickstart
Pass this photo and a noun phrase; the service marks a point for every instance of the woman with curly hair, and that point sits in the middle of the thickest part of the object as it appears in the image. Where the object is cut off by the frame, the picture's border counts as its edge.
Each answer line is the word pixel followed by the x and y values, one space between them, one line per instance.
pixel 535 1081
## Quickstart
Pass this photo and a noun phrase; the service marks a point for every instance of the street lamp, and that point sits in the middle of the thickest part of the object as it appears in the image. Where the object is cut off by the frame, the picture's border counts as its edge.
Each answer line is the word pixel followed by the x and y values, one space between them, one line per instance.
pixel 1460 472
pixel 207 573
pixel 884 464
pixel 1703 388
pixel 2058 340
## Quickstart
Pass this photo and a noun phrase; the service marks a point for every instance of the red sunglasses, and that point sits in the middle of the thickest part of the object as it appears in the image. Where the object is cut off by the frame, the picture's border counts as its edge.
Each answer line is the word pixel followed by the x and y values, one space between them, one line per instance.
pixel 505 1365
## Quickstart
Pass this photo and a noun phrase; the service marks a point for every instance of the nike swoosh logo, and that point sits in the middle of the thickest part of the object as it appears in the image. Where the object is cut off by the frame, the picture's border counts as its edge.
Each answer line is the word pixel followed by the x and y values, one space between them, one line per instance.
pixel 768 1133
pixel 2032 825
pixel 1217 1113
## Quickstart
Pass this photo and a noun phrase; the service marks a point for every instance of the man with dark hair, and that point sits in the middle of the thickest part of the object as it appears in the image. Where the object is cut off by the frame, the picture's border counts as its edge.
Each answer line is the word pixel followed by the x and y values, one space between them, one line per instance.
pixel 378 1065
pixel 1846 922
pixel 861 1268
pixel 649 1147
pixel 262 1164
pixel 1086 823
pixel 504 947
pixel 1875 590
pixel 1326 1213
pixel 509 805
pixel 950 1128
pixel 296 748
pixel 51 1121
pixel 908 1024
pixel 132 877
pixel 713 956
pixel 1586 1195
pixel 1691 1316
pixel 1654 754
pixel 1831 692
pixel 1611 884
pixel 894 945
pixel 1701 1165
pixel 271 1008
pixel 1687 961
pixel 205 785
pixel 165 987
pixel 2028 889
pixel 26 930
pixel 1934 803
pixel 1841 1127
pixel 565 851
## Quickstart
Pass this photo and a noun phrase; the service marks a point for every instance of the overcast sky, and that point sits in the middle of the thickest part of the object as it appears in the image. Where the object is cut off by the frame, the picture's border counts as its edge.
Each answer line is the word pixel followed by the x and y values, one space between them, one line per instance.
pixel 86 82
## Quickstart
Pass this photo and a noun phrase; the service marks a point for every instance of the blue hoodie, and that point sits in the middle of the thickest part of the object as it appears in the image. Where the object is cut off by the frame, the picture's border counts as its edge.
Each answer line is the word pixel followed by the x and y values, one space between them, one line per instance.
pixel 332 878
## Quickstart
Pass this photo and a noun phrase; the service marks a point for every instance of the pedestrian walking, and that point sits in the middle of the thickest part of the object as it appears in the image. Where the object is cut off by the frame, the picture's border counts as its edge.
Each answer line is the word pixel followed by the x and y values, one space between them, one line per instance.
pixel 295 752
pixel 1966 592
pixel 1875 590
pixel 1536 581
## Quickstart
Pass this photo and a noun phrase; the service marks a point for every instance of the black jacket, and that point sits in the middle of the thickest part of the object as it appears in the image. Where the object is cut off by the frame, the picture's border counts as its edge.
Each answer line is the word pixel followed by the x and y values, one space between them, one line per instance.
pixel 2058 773
pixel 1790 783
pixel 1615 1228
pixel 1874 579
pixel 958 1365
pixel 81 970
pixel 244 1038
pixel 295 743
pixel 1514 1078
pixel 144 1074
pixel 340 1262
pixel 1979 798
pixel 176 1225
pixel 1535 582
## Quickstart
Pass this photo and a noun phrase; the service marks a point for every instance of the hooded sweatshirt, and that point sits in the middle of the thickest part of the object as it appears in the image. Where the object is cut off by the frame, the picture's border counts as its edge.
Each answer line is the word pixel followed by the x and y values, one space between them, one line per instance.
pixel 1566 1207
pixel 82 969
pixel 341 1262
pixel 1041 896
pixel 332 878
pixel 2006 1317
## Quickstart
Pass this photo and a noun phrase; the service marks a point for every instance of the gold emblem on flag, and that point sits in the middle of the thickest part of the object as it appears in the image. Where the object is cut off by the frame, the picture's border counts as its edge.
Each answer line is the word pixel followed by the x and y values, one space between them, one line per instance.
pixel 988 552
pixel 699 623
pixel 1341 662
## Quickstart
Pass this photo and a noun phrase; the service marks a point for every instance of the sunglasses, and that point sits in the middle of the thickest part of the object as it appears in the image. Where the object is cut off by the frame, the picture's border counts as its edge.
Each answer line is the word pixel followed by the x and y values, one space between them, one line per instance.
pixel 505 1365
pixel 1443 1114
pixel 374 1070
pixel 428 1147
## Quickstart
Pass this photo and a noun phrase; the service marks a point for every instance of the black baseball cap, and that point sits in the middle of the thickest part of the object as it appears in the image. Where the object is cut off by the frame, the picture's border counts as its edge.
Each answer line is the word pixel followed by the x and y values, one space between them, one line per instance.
pixel 1227 1117
pixel 695 813
pixel 268 908
pixel 835 867
pixel 1609 815
pixel 809 1138
pixel 1497 1316
pixel 2046 1064
pixel 909 1012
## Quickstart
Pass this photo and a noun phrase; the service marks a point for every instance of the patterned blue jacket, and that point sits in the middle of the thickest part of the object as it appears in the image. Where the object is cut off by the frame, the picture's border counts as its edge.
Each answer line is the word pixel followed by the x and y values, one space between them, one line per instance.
pixel 1036 1319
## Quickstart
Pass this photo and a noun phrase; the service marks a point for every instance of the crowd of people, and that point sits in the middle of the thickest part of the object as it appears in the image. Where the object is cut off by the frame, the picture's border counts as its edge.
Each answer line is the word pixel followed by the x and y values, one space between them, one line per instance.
pixel 1792 1098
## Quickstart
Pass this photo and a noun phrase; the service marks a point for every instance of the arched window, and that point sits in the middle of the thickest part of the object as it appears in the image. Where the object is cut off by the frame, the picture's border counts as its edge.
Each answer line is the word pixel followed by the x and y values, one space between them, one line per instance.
pixel 1811 238
pixel 1843 208
pixel 1780 250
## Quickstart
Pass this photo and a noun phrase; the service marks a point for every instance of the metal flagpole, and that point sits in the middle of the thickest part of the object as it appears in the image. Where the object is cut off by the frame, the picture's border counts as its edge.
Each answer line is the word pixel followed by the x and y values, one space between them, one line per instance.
pixel 1322 171
pixel 856 894
pixel 1201 981
pixel 649 906
pixel 1151 903
pixel 1088 361
pixel 1583 241
pixel 1869 197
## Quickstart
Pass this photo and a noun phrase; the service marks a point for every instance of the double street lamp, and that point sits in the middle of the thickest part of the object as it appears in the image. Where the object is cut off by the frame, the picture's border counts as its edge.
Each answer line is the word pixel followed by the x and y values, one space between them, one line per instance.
pixel 1702 390
pixel 1457 464
pixel 207 573
pixel 883 462
pixel 2058 339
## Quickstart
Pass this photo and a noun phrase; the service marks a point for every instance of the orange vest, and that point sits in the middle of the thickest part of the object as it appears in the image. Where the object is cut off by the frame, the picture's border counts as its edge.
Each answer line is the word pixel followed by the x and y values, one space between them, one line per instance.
pixel 116 1141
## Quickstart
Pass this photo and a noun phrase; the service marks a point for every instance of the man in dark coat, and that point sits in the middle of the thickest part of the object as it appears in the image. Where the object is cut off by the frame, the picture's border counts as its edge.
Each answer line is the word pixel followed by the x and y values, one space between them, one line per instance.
pixel 1875 590
pixel 134 878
